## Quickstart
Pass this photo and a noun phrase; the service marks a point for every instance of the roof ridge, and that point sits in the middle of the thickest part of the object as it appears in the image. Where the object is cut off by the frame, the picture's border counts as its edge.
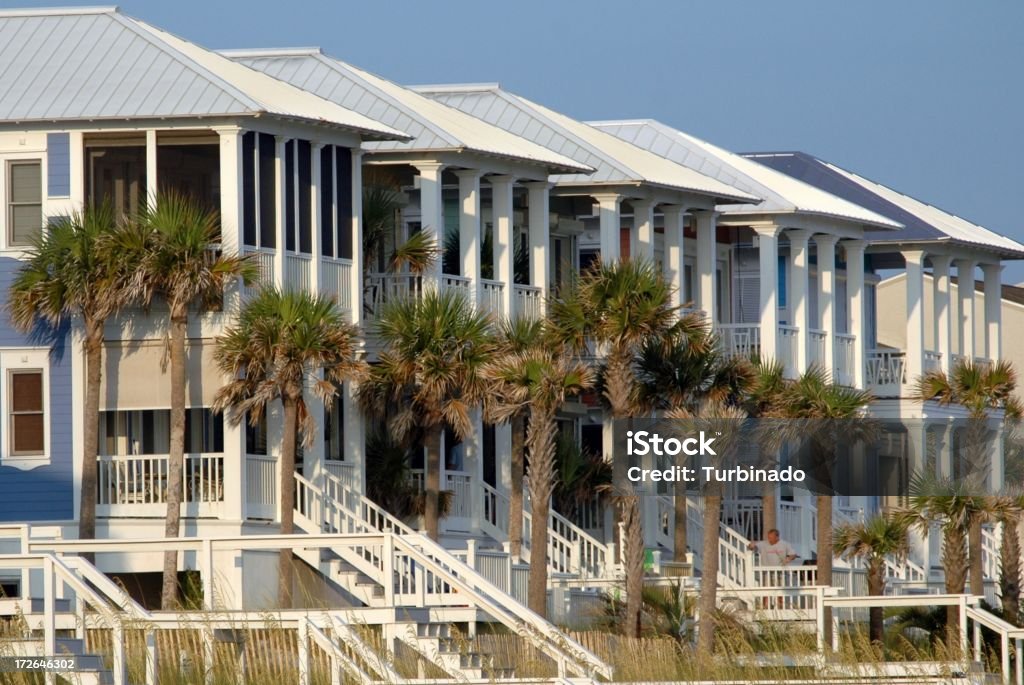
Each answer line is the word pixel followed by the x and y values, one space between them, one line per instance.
pixel 58 11
pixel 458 87
pixel 271 52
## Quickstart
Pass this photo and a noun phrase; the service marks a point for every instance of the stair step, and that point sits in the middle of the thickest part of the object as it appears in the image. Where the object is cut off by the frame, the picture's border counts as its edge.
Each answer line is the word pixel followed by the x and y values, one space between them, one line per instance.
pixel 435 630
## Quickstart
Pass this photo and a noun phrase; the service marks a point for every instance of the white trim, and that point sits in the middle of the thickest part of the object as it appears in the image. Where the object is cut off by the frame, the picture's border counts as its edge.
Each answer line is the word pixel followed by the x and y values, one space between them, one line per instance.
pixel 16 359
pixel 20 252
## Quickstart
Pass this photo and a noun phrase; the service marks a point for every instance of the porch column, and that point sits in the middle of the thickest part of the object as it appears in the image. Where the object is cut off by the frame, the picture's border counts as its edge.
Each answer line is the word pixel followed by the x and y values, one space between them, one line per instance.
pixel 231 204
pixel 315 190
pixel 279 217
pixel 539 201
pixel 943 320
pixel 993 310
pixel 674 267
pixel 469 230
pixel 431 214
pixel 826 292
pixel 706 263
pixel 768 251
pixel 965 295
pixel 914 354
pixel 356 280
pixel 151 166
pixel 611 224
pixel 855 305
pixel 504 247
pixel 641 237
pixel 798 293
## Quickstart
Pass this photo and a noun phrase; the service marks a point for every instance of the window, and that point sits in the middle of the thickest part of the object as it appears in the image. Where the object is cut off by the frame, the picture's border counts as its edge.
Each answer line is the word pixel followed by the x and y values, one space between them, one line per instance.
pixel 256 437
pixel 147 431
pixel 24 202
pixel 334 436
pixel 27 420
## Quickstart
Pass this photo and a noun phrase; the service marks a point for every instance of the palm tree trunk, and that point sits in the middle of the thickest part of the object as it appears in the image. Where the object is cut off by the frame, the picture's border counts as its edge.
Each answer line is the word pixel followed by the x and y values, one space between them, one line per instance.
pixel 285 567
pixel 876 587
pixel 954 565
pixel 515 498
pixel 542 480
pixel 679 541
pixel 1009 571
pixel 708 603
pixel 825 552
pixel 432 483
pixel 175 459
pixel 769 509
pixel 974 556
pixel 90 437
pixel 633 539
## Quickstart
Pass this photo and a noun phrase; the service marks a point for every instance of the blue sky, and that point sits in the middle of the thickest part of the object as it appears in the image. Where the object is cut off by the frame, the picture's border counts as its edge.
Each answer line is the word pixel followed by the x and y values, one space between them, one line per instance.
pixel 924 95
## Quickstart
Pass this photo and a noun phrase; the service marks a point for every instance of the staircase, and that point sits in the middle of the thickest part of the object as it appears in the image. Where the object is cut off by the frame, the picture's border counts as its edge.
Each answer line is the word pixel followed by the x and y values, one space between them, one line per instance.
pixel 387 564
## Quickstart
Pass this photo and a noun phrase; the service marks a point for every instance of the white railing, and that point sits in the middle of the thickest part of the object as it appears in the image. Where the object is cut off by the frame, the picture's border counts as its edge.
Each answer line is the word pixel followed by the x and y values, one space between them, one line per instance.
pixel 665 508
pixel 382 288
pixel 345 471
pixel 746 516
pixel 787 349
pixel 459 484
pixel 528 301
pixel 456 284
pixel 932 361
pixel 844 358
pixel 816 347
pixel 136 485
pixel 297 271
pixel 740 339
pixel 337 280
pixel 492 298
pixel 735 560
pixel 263 258
pixel 885 371
pixel 261 487
pixel 991 548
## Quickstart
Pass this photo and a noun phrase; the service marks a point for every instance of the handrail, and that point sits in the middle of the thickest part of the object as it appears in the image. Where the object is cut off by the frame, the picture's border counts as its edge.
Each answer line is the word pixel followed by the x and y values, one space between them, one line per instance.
pixel 355 641
pixel 333 651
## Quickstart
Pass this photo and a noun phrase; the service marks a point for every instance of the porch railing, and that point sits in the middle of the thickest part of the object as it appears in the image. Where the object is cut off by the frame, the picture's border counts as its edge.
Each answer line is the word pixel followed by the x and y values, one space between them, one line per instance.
pixel 816 347
pixel 136 485
pixel 337 280
pixel 264 260
pixel 457 284
pixel 885 371
pixel 261 487
pixel 844 358
pixel 345 471
pixel 740 339
pixel 528 300
pixel 492 297
pixel 932 361
pixel 787 349
pixel 298 270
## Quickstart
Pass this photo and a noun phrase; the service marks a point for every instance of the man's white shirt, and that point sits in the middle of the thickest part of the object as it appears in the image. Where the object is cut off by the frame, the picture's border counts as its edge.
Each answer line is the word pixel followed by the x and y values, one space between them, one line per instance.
pixel 774 555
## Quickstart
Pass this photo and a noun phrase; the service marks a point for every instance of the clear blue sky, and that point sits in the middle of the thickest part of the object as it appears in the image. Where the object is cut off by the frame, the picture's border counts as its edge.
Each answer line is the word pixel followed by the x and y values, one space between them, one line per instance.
pixel 924 95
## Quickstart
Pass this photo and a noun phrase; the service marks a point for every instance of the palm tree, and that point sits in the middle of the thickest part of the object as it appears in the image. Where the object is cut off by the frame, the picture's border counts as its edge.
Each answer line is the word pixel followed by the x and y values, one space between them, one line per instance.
pixel 70 273
pixel 979 388
pixel 762 400
pixel 175 247
pixel 831 408
pixel 515 336
pixel 619 306
pixel 283 343
pixel 1008 507
pixel 539 378
pixel 429 375
pixel 874 541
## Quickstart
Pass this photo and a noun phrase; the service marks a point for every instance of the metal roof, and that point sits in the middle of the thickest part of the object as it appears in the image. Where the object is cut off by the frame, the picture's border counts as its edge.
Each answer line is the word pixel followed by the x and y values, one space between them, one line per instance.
pixel 781 193
pixel 433 125
pixel 615 160
pixel 99 64
pixel 922 222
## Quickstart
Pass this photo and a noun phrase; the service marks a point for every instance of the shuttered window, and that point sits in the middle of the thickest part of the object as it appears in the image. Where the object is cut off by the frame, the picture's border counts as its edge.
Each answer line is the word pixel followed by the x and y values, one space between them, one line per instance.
pixel 27 420
pixel 24 202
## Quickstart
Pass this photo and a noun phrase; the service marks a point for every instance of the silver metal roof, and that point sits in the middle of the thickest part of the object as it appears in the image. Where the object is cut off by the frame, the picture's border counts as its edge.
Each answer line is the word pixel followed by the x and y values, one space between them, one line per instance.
pixel 781 193
pixel 433 125
pixel 99 64
pixel 615 160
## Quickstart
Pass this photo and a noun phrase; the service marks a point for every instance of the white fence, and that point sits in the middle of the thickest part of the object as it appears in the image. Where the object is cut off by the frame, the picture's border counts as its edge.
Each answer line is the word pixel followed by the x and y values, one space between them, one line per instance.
pixel 136 485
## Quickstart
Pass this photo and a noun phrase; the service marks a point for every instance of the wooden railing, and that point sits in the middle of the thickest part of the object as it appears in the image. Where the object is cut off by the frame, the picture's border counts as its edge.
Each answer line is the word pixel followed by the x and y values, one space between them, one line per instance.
pixel 492 297
pixel 844 358
pixel 264 259
pixel 136 485
pixel 261 481
pixel 740 339
pixel 298 271
pixel 336 275
pixel 885 371
pixel 528 301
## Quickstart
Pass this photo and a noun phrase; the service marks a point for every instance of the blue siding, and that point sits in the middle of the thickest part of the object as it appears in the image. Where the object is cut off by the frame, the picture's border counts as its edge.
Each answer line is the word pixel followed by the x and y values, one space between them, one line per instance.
pixel 46 492
pixel 58 164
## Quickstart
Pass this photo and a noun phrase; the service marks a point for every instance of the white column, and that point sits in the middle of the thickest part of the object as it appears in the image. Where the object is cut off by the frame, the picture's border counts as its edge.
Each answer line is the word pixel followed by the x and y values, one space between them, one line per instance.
pixel 826 293
pixel 432 214
pixel 914 353
pixel 798 277
pixel 539 201
pixel 674 266
pixel 706 228
pixel 504 248
pixel 768 252
pixel 356 281
pixel 279 218
pixel 151 166
pixel 316 188
pixel 965 292
pixel 855 305
pixel 469 229
pixel 943 320
pixel 993 310
pixel 641 236
pixel 231 213
pixel 611 225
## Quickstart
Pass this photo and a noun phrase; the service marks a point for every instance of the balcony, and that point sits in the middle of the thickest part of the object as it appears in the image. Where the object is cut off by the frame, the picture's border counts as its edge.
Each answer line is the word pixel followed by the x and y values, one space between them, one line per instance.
pixel 744 340
pixel 885 371
pixel 335 274
pixel 387 287
pixel 135 485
